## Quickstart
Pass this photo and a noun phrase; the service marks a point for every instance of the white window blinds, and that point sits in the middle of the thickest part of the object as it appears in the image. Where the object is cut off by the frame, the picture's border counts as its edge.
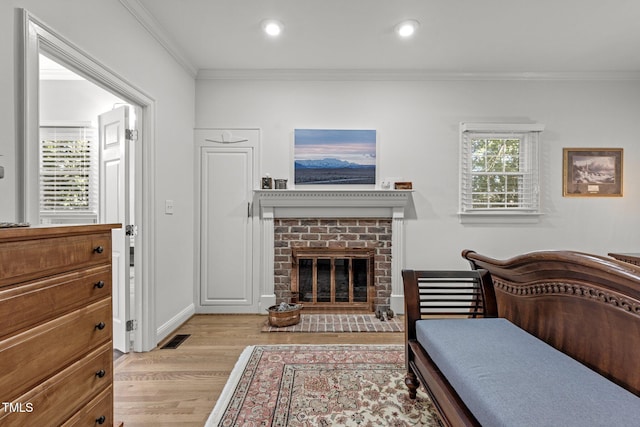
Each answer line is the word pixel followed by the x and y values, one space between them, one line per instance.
pixel 68 170
pixel 499 169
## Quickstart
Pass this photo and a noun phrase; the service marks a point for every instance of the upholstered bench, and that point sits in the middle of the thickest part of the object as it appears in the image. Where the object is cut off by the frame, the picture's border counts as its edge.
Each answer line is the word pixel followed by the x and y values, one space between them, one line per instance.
pixel 548 338
pixel 508 377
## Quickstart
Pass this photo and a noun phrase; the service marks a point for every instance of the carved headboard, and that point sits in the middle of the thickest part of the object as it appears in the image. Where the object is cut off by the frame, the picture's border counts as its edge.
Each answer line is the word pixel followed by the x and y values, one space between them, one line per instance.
pixel 585 305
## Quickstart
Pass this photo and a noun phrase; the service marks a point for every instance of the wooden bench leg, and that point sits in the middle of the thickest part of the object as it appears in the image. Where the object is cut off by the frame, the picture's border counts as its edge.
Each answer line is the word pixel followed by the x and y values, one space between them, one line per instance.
pixel 412 383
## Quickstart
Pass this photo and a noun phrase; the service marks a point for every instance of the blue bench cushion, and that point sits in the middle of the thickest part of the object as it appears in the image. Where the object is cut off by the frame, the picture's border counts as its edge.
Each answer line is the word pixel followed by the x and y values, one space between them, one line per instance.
pixel 507 377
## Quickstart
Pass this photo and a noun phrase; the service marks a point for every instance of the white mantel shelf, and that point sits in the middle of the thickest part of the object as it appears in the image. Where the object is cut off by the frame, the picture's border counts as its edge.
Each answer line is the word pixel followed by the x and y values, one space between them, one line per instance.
pixel 352 203
pixel 332 203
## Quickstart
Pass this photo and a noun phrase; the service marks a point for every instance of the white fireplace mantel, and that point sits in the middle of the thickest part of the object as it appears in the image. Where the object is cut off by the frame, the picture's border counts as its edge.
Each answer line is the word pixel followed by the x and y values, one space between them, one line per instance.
pixel 332 204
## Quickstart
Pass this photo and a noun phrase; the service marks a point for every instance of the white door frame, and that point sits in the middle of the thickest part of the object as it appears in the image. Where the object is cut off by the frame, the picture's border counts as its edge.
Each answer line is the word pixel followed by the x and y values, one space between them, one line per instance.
pixel 38 37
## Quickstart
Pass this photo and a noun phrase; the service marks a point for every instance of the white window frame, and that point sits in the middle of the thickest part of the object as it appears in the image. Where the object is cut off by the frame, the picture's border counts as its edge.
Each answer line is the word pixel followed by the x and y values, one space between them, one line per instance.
pixel 528 210
pixel 60 215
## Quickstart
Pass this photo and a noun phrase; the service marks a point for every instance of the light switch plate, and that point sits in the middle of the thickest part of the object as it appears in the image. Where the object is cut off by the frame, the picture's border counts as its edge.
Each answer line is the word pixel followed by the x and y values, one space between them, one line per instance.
pixel 168 207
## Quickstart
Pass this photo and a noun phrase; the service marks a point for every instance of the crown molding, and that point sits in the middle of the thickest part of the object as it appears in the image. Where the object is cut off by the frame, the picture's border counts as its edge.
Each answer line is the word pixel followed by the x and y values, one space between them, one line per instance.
pixel 153 27
pixel 407 75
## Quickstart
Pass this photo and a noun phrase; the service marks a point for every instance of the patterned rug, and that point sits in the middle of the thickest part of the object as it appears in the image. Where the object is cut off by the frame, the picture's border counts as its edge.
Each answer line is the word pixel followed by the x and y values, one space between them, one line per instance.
pixel 339 323
pixel 321 385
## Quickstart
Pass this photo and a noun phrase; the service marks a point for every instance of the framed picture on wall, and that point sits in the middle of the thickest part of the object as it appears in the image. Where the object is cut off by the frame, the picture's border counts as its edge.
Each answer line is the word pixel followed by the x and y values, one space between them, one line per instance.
pixel 592 172
pixel 335 156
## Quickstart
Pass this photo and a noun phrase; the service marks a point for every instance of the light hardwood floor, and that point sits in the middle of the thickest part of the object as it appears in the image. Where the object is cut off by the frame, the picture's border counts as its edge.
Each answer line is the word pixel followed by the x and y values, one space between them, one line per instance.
pixel 179 387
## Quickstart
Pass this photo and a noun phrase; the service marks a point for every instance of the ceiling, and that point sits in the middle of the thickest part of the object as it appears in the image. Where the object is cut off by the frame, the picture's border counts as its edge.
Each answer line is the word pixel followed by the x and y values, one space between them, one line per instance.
pixel 455 36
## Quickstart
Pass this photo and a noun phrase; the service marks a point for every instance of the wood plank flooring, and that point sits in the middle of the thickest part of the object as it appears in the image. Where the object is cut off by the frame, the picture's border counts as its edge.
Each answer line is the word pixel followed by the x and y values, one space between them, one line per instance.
pixel 179 387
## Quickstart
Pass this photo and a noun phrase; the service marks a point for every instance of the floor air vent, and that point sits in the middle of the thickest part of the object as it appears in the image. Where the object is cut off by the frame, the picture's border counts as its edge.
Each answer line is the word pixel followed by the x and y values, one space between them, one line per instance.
pixel 175 341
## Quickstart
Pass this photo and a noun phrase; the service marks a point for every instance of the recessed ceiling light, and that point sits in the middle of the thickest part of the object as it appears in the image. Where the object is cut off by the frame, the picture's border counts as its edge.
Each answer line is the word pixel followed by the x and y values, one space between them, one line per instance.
pixel 407 28
pixel 272 27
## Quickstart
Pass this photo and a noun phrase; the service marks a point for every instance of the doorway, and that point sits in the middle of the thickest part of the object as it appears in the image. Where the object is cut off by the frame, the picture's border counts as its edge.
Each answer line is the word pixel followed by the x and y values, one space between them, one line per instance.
pixel 39 39
pixel 85 165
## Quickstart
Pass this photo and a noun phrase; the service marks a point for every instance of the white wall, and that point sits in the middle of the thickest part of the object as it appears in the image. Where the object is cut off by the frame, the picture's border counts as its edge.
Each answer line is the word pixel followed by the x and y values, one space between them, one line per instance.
pixel 106 31
pixel 74 101
pixel 417 123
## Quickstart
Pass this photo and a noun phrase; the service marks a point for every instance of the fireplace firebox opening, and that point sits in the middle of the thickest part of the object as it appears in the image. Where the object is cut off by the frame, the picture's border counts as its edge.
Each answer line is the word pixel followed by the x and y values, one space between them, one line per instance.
pixel 337 234
pixel 333 277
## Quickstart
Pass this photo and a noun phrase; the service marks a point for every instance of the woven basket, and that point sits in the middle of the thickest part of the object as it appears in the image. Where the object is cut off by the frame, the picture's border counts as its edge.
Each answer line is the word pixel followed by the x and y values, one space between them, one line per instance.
pixel 284 318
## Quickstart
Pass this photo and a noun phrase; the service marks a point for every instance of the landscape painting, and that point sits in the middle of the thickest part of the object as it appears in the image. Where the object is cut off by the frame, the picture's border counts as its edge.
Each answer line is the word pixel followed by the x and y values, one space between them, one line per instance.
pixel 334 156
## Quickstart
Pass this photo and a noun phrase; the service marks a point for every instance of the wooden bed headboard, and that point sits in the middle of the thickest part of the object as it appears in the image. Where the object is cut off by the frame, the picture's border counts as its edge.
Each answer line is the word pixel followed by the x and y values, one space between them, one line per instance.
pixel 585 305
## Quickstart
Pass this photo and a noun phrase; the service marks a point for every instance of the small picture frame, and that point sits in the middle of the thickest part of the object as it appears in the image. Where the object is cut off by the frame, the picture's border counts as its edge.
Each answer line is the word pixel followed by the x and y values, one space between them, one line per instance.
pixel 592 172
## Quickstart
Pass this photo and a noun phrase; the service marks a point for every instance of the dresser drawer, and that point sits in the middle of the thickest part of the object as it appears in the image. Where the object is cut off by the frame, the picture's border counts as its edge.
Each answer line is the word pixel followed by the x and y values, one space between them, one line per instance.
pixel 98 412
pixel 55 400
pixel 26 305
pixel 21 261
pixel 37 354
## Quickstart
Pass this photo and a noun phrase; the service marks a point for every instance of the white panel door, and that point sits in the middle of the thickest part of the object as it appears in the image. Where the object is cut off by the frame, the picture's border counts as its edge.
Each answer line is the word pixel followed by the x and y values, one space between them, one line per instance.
pixel 226 183
pixel 114 196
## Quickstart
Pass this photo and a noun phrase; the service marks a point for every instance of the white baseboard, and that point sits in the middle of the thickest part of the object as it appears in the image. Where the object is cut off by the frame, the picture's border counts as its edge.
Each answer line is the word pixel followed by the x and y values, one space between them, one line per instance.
pixel 174 323
pixel 397 303
pixel 266 301
pixel 230 309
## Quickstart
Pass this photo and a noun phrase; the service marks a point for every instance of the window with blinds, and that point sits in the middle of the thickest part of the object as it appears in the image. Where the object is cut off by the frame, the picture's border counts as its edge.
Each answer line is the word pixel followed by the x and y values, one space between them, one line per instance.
pixel 68 172
pixel 499 170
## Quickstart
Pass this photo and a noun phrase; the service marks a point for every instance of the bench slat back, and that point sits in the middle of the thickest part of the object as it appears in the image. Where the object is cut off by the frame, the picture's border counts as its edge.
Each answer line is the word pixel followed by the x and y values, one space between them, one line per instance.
pixel 446 294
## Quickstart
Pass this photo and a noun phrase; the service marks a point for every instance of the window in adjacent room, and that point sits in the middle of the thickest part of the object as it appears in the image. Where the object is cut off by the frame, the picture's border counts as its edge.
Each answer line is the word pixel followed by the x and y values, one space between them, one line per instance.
pixel 68 175
pixel 499 172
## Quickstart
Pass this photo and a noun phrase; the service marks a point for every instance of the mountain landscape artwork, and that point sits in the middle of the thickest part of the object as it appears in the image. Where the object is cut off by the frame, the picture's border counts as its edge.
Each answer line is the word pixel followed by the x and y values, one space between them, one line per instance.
pixel 334 156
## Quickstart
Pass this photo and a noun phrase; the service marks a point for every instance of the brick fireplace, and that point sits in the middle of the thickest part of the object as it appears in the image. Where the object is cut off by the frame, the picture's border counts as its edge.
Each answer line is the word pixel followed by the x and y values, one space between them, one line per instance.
pixel 330 234
pixel 333 219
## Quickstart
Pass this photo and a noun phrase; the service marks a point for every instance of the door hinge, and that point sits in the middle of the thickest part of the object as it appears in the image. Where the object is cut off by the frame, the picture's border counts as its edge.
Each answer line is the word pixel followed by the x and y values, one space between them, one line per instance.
pixel 131 134
pixel 131 230
pixel 132 325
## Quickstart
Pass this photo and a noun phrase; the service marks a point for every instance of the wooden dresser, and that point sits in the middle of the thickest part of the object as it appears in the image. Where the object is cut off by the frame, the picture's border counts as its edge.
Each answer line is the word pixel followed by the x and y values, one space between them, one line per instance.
pixel 56 356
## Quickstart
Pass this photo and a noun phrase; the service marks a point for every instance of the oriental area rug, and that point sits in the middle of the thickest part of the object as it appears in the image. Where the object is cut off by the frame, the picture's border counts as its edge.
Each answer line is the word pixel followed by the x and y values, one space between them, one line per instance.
pixel 340 323
pixel 321 385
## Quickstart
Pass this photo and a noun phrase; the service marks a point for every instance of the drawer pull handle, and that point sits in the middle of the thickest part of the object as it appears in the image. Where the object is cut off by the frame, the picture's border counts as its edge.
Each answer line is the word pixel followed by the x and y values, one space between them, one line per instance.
pixel 101 373
pixel 98 249
pixel 99 284
pixel 100 326
pixel 101 419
